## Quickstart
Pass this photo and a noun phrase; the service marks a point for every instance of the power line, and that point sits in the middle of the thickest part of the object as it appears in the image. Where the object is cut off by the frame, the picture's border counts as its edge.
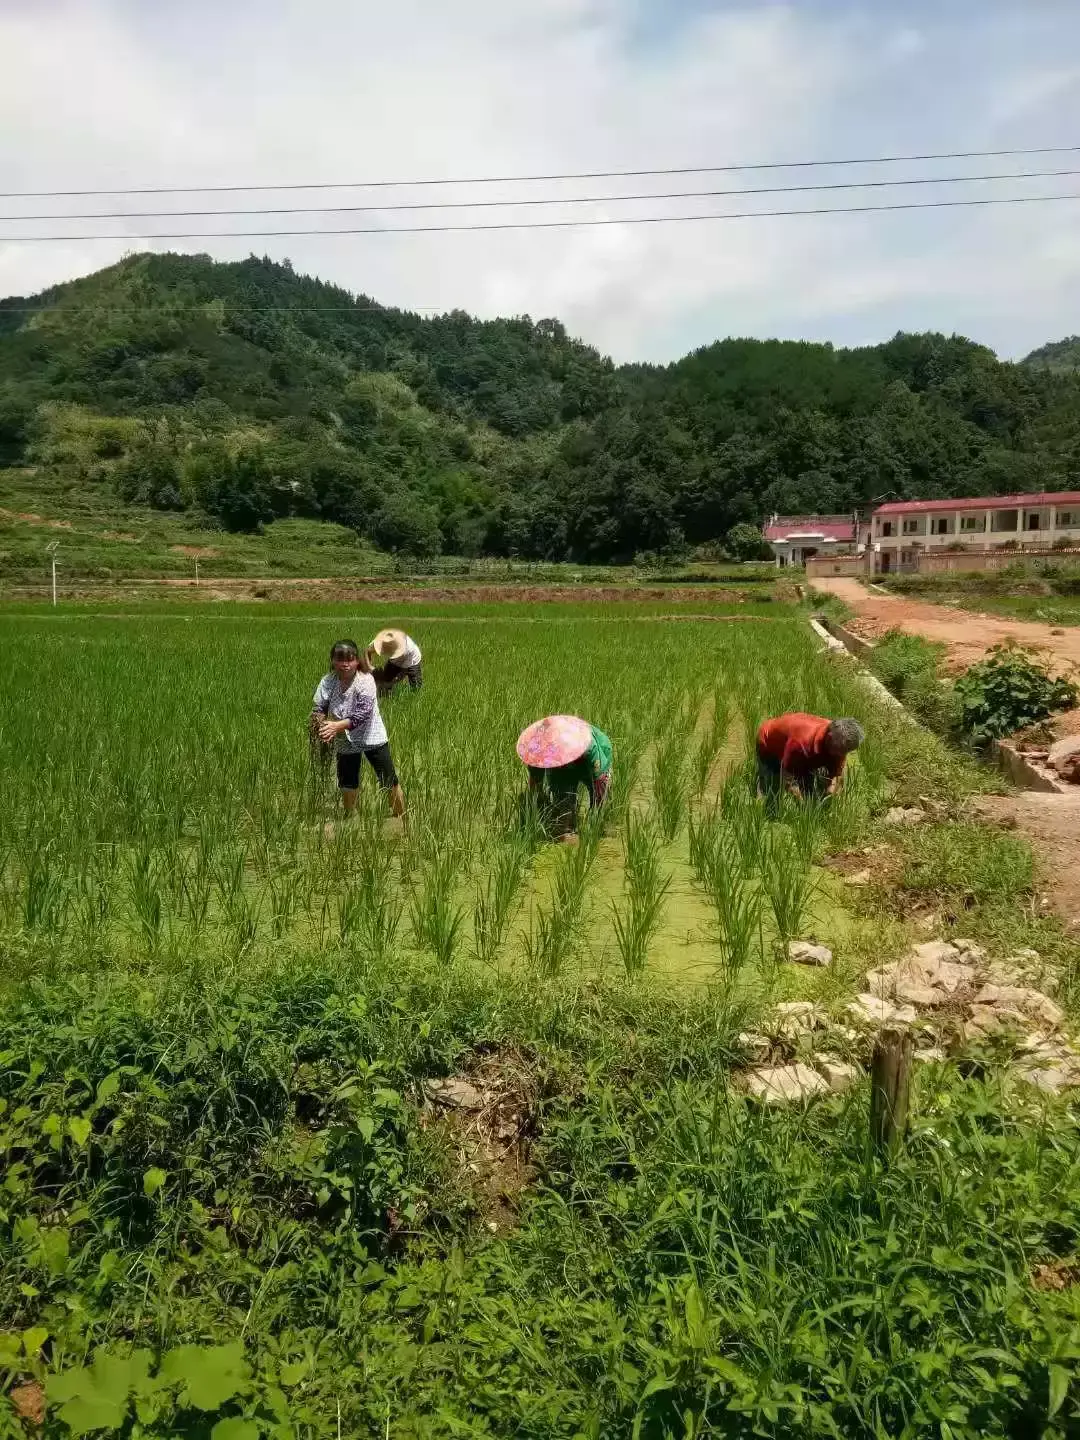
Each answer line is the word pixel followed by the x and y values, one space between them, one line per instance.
pixel 553 200
pixel 529 179
pixel 553 224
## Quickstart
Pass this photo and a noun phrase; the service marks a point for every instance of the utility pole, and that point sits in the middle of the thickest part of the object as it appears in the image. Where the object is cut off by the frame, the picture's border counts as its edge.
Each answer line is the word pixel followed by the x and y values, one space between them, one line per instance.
pixel 196 571
pixel 51 549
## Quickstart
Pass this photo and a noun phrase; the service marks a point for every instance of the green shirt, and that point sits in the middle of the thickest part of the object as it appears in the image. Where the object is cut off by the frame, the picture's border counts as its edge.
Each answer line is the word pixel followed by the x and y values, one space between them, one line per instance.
pixel 595 762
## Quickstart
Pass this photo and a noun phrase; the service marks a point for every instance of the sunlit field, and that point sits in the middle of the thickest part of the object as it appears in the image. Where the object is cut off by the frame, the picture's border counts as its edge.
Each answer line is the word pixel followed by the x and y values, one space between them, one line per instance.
pixel 236 1197
pixel 161 807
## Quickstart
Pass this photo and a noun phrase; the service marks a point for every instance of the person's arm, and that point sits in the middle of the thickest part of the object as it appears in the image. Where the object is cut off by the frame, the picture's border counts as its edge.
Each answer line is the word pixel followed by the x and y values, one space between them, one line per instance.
pixel 834 767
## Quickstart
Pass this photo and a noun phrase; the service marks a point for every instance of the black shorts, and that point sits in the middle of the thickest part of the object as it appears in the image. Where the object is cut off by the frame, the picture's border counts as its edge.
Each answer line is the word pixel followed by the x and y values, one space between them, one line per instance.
pixel 378 757
pixel 392 674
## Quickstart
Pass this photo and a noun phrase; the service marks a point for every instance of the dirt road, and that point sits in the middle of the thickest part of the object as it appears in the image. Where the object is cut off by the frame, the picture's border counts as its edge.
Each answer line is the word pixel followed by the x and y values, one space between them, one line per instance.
pixel 966 635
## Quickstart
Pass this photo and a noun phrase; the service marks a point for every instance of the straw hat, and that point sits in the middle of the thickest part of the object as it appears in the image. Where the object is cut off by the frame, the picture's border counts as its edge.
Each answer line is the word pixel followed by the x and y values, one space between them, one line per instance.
pixel 556 740
pixel 390 644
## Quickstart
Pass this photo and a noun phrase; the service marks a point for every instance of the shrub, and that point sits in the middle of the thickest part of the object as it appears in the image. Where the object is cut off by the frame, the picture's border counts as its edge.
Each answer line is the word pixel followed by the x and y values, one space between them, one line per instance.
pixel 1008 691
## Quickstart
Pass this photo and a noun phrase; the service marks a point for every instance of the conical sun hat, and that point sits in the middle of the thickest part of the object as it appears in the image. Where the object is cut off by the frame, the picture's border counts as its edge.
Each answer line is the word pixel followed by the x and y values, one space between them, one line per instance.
pixel 556 740
pixel 390 644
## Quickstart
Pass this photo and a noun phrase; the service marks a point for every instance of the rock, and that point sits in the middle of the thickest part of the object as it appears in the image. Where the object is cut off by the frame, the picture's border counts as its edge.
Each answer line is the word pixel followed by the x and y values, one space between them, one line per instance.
pixel 754 1046
pixel 931 1055
pixel 1049 1078
pixel 905 815
pixel 933 952
pixel 797 1017
pixel 844 1034
pixel 805 952
pixel 972 952
pixel 455 1093
pixel 1019 998
pixel 1057 630
pixel 986 1020
pixel 1064 757
pixel 838 1073
pixel 910 992
pixel 859 879
pixel 873 1010
pixel 782 1084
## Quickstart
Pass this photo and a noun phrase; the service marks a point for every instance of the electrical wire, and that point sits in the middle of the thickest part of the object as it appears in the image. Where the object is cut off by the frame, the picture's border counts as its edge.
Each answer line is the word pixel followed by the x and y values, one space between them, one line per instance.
pixel 530 179
pixel 553 200
pixel 551 224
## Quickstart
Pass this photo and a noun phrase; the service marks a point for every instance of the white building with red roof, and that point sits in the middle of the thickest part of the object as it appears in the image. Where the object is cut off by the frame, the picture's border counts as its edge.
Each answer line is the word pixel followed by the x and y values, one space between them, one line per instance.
pixel 798 538
pixel 903 531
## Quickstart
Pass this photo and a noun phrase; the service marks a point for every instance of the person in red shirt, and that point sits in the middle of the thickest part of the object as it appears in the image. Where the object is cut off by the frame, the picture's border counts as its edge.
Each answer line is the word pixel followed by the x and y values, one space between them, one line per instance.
pixel 804 754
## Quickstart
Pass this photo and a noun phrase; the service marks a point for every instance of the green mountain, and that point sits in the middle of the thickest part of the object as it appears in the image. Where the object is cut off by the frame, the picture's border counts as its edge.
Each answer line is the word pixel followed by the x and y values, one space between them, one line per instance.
pixel 1058 355
pixel 245 392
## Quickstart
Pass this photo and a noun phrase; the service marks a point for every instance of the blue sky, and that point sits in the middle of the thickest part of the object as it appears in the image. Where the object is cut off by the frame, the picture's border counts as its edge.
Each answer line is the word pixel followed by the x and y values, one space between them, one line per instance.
pixel 119 92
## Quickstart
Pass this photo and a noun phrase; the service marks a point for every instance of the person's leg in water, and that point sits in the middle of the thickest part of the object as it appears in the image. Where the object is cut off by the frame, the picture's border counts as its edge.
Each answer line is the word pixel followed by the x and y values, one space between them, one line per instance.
pixel 380 761
pixel 348 778
pixel 564 813
pixel 770 784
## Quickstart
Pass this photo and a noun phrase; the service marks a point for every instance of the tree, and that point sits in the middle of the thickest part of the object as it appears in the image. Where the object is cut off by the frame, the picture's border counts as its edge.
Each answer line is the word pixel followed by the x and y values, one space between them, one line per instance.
pixel 404 524
pixel 746 542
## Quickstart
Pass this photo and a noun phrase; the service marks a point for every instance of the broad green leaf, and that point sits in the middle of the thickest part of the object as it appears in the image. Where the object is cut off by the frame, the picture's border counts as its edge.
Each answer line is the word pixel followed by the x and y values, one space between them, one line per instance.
pixel 292 1372
pixel 34 1338
pixel 235 1428
pixel 152 1181
pixel 1059 1388
pixel 366 1125
pixel 11 1348
pixel 79 1129
pixel 108 1087
pixel 84 1413
pixel 210 1374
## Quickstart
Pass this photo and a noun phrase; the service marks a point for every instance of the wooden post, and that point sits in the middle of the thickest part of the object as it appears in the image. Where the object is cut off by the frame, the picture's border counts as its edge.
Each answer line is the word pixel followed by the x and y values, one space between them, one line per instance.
pixel 890 1089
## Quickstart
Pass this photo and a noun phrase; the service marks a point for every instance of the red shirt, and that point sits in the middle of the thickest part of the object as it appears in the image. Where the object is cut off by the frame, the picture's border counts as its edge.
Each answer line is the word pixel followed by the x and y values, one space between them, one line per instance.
pixel 797 741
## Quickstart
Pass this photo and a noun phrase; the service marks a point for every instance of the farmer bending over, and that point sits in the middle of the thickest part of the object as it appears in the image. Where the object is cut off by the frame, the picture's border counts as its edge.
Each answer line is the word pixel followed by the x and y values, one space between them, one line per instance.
pixel 400 655
pixel 804 754
pixel 563 752
pixel 345 712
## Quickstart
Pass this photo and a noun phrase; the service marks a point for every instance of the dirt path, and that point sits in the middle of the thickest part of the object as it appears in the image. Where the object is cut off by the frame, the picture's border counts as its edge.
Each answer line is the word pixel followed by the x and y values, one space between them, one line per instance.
pixel 966 635
pixel 1052 824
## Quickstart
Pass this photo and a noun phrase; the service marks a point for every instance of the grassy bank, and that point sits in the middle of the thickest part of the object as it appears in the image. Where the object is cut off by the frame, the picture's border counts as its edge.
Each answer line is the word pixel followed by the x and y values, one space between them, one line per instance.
pixel 233 1202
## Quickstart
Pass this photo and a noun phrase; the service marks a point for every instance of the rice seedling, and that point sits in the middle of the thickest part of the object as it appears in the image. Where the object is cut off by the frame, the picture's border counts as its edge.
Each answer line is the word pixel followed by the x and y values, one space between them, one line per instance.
pixel 789 886
pixel 637 922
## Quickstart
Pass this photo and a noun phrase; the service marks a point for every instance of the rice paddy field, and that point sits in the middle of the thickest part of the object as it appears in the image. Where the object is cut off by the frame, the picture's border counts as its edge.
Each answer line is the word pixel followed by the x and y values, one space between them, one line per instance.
pixel 314 1127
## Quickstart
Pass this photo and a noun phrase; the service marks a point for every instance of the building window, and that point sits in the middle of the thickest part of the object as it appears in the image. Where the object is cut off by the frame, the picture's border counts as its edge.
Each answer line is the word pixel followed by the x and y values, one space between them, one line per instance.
pixel 969 523
pixel 912 527
pixel 941 525
pixel 1068 519
pixel 886 527
pixel 1032 520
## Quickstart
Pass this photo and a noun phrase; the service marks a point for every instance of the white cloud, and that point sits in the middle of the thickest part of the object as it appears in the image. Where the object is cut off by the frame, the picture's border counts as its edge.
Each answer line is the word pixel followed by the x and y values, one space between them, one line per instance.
pixel 110 92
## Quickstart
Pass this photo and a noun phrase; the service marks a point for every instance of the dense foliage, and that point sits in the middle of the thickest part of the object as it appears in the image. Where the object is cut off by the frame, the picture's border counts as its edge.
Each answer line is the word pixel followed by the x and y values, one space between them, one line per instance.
pixel 247 392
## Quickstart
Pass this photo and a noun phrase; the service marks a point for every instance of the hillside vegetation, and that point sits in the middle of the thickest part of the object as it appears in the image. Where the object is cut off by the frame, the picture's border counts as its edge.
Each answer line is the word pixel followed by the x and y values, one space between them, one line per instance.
pixel 243 393
pixel 1060 355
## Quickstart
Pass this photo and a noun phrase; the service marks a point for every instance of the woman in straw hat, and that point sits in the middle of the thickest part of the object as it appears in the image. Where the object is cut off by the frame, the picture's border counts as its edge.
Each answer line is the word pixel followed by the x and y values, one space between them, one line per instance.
pixel 401 658
pixel 562 753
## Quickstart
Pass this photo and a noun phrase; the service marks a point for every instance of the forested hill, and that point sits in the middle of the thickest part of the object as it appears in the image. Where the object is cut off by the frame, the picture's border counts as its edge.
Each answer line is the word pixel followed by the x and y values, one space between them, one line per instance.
pixel 1060 355
pixel 244 391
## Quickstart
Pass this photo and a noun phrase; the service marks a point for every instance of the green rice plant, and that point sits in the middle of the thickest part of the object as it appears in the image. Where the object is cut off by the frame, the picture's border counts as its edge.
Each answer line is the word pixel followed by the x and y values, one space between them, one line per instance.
pixel 670 785
pixel 145 893
pixel 711 742
pixel 437 918
pixel 789 886
pixel 497 899
pixel 637 923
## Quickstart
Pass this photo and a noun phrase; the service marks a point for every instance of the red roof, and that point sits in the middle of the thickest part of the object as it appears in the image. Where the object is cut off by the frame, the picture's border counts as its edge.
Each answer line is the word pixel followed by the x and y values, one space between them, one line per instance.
pixel 982 502
pixel 811 529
